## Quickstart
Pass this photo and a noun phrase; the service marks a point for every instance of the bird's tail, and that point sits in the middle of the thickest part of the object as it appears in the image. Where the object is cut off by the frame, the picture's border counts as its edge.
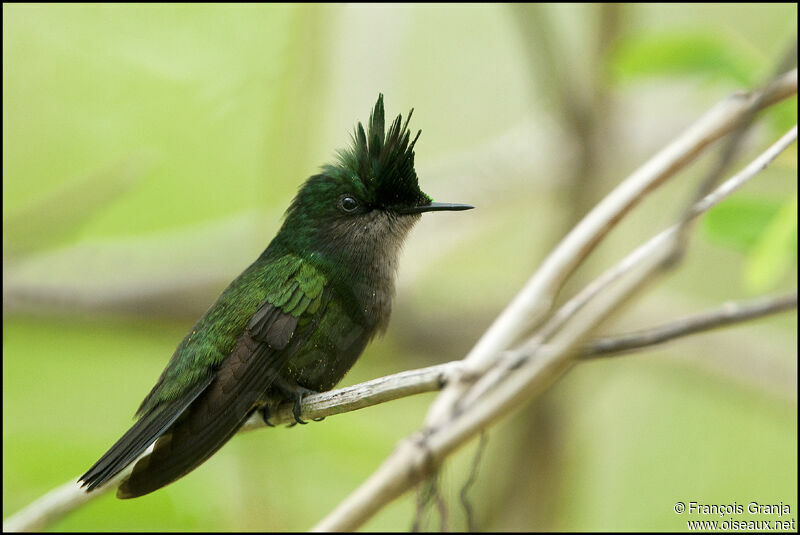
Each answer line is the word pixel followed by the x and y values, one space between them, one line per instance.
pixel 213 418
pixel 138 438
pixel 197 435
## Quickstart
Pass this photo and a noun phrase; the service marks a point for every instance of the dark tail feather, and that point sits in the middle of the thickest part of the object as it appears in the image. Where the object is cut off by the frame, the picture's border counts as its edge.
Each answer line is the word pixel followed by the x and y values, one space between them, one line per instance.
pixel 138 438
pixel 214 418
pixel 193 439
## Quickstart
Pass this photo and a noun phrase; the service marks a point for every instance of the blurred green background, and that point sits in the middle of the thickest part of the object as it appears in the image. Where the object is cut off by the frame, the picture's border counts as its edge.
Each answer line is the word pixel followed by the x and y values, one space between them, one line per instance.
pixel 149 152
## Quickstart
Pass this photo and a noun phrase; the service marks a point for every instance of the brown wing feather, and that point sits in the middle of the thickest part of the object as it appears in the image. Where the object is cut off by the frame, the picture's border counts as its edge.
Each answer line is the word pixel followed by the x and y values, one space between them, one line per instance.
pixel 217 414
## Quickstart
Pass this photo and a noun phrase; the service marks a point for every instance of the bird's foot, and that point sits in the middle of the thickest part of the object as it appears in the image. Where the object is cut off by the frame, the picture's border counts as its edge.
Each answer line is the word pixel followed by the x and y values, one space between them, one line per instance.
pixel 299 394
pixel 295 393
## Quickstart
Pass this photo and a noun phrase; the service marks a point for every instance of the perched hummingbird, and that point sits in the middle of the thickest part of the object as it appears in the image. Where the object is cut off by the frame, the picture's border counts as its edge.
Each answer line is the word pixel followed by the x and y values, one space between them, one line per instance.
pixel 293 322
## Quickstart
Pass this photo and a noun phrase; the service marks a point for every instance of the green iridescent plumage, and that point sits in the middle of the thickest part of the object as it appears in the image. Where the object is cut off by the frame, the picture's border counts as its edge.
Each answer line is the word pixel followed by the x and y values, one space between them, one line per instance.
pixel 288 283
pixel 293 322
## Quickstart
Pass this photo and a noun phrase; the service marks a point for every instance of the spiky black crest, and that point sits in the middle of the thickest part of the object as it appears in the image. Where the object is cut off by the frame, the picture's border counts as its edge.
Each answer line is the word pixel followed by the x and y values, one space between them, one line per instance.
pixel 384 159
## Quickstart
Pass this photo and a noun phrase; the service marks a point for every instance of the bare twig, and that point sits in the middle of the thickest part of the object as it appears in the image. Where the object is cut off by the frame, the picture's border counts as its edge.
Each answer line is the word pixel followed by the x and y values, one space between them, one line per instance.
pixel 420 454
pixel 728 314
pixel 367 394
pixel 535 299
pixel 573 78
pixel 729 152
pixel 631 261
pixel 700 207
pixel 446 429
pixel 473 476
pixel 70 496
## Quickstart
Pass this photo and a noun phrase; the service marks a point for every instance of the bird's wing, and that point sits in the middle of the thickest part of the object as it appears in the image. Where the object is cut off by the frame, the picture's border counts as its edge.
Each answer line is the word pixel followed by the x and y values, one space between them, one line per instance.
pixel 187 430
pixel 274 333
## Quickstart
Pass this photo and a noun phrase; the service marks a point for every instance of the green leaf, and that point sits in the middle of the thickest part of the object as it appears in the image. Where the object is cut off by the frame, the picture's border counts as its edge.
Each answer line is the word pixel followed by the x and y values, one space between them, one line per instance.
pixel 783 115
pixel 775 252
pixel 739 222
pixel 688 53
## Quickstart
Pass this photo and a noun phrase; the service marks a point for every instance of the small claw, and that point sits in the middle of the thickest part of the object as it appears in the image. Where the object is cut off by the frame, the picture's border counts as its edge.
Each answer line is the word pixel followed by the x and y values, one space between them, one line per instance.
pixel 265 415
pixel 296 393
pixel 318 419
pixel 296 411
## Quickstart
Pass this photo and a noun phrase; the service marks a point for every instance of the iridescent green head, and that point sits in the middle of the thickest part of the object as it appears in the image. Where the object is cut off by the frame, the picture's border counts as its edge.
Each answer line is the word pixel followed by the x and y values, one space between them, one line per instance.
pixel 375 173
pixel 370 193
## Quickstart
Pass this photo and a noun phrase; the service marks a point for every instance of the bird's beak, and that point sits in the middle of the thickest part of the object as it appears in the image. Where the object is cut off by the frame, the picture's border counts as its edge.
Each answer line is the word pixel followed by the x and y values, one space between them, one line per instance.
pixel 434 207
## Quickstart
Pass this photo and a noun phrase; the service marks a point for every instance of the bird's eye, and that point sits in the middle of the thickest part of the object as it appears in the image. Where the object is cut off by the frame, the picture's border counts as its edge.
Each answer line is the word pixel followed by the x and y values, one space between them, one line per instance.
pixel 348 204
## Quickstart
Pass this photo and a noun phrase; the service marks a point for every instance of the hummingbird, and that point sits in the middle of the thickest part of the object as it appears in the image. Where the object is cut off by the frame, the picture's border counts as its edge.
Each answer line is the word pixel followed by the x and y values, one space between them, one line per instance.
pixel 291 324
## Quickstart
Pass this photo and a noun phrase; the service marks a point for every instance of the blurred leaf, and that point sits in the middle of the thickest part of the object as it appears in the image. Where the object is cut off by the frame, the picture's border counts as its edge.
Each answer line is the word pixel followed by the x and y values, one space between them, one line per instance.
pixel 697 52
pixel 764 229
pixel 775 252
pixel 783 116
pixel 739 223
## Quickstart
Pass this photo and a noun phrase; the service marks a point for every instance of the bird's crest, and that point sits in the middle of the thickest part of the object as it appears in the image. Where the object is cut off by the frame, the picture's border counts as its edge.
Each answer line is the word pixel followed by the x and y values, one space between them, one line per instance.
pixel 384 159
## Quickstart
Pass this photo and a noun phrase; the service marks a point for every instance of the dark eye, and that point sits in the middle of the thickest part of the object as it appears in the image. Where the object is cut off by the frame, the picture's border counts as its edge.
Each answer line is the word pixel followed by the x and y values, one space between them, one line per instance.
pixel 348 204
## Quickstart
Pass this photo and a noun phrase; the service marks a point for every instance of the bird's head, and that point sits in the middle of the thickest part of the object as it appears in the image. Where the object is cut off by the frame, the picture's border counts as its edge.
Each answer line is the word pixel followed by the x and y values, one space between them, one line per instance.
pixel 371 192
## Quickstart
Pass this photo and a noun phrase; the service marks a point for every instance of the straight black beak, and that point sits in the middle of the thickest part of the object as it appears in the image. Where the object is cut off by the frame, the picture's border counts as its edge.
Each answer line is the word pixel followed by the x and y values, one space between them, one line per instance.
pixel 433 207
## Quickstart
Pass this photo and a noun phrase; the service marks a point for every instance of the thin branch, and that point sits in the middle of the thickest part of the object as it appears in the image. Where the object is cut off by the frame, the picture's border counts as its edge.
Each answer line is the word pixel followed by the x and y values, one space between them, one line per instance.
pixel 447 429
pixel 728 153
pixel 418 456
pixel 700 207
pixel 567 311
pixel 473 476
pixel 367 394
pixel 535 299
pixel 728 314
pixel 69 496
